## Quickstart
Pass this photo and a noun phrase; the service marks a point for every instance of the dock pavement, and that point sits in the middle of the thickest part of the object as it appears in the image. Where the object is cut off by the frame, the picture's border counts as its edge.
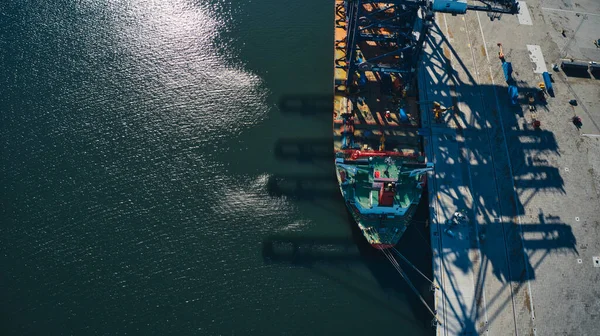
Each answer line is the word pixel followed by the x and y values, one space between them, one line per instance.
pixel 526 260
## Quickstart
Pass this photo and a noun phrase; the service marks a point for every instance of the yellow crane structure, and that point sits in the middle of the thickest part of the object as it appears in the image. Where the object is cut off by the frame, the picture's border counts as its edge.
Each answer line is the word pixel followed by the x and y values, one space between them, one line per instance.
pixel 382 142
pixel 437 111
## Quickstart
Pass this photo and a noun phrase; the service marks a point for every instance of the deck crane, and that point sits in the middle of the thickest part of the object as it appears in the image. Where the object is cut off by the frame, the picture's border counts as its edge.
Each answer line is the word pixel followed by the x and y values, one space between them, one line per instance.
pixel 400 28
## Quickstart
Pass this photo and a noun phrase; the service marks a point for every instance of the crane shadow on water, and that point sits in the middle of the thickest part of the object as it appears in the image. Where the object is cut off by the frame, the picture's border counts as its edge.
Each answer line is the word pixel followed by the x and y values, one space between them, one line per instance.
pixel 348 261
pixel 340 260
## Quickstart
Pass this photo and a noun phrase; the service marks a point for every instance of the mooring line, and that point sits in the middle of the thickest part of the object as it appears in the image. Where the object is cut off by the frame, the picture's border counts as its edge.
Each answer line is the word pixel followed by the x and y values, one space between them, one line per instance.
pixel 395 264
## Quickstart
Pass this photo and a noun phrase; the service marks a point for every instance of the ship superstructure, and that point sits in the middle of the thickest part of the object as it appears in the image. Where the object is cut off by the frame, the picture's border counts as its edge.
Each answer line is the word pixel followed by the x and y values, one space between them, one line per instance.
pixel 382 192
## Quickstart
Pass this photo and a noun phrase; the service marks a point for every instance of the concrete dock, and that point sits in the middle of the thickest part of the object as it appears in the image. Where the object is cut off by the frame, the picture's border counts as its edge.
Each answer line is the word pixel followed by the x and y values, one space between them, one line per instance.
pixel 527 259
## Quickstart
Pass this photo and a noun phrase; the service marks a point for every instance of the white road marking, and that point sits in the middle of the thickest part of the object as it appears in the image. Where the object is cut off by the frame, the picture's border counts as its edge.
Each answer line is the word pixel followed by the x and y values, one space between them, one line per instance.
pixel 536 56
pixel 524 16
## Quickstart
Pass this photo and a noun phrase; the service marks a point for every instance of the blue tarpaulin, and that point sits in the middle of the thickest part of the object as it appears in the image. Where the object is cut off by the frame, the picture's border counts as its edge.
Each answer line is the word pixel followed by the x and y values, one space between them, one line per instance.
pixel 548 83
pixel 403 116
pixel 362 80
pixel 507 67
pixel 513 93
pixel 347 142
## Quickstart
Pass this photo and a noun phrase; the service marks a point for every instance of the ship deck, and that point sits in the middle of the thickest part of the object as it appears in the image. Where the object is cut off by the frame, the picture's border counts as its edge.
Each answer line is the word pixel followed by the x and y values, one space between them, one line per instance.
pixel 527 261
pixel 368 102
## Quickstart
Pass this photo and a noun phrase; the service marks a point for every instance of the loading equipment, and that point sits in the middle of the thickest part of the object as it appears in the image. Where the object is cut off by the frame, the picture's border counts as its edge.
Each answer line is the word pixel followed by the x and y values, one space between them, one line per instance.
pixel 400 27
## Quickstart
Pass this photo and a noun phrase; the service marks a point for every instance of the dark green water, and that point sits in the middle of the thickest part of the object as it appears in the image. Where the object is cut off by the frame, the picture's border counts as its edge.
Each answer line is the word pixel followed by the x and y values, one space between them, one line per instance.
pixel 140 186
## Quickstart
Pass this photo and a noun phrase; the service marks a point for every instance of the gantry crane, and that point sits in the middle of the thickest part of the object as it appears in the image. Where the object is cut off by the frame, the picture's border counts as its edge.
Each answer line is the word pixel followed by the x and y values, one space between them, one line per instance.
pixel 400 28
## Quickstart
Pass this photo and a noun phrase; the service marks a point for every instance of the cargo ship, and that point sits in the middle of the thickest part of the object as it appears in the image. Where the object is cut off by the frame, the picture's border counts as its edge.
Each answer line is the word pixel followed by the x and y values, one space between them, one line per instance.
pixel 379 161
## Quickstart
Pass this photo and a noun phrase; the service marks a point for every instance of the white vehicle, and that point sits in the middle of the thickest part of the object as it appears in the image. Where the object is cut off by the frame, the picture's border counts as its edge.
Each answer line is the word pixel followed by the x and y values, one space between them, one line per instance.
pixel 457 218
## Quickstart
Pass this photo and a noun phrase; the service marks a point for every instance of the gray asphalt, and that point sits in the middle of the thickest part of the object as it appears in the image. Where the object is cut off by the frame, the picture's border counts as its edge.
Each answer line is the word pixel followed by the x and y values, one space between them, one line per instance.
pixel 524 262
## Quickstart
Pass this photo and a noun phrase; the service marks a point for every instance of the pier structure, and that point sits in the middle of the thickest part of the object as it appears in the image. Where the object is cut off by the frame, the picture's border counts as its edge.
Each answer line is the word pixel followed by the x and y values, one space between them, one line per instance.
pixel 525 260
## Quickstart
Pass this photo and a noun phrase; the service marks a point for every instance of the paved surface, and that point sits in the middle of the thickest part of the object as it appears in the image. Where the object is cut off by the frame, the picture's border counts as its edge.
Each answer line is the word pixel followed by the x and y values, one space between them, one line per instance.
pixel 523 263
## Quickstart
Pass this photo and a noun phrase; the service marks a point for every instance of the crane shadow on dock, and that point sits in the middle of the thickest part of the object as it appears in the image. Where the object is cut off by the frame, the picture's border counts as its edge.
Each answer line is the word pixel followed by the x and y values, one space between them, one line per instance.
pixel 445 57
pixel 482 149
pixel 341 260
pixel 552 236
pixel 530 149
pixel 473 147
pixel 532 169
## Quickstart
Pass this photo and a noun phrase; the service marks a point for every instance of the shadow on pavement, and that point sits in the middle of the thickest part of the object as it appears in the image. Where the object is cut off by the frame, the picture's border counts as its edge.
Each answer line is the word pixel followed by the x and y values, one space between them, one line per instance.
pixel 477 153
